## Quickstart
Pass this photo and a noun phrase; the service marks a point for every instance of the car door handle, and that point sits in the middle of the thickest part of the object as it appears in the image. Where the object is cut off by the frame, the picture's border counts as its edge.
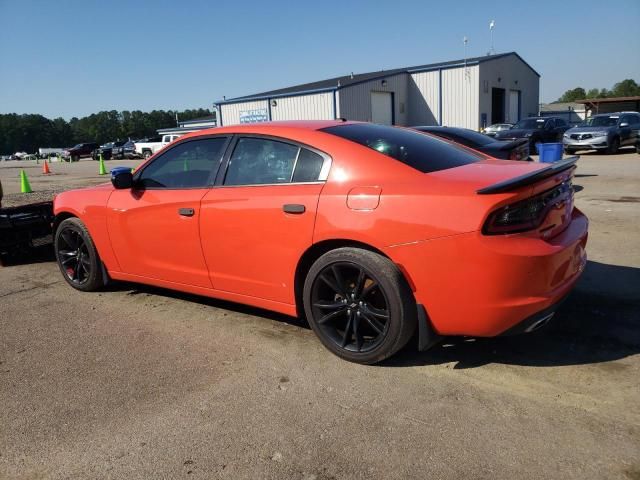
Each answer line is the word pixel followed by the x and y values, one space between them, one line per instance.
pixel 295 208
pixel 186 212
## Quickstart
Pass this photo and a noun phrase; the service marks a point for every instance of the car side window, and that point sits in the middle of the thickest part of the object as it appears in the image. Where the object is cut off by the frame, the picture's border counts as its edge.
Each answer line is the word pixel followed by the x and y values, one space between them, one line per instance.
pixel 187 165
pixel 259 161
pixel 628 119
pixel 308 166
pixel 560 122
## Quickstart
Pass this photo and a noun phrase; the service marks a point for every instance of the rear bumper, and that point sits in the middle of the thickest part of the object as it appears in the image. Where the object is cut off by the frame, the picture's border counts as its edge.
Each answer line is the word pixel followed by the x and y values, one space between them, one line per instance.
pixel 535 321
pixel 482 286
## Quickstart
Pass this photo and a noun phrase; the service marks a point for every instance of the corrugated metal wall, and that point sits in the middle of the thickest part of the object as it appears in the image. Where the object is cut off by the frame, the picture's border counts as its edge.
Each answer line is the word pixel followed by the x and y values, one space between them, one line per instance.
pixel 318 106
pixel 509 73
pixel 355 101
pixel 424 98
pixel 460 90
pixel 231 112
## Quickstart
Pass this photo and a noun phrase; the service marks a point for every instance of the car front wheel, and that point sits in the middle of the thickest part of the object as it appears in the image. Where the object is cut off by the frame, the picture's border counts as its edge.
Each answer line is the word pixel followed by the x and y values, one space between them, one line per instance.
pixel 77 256
pixel 359 305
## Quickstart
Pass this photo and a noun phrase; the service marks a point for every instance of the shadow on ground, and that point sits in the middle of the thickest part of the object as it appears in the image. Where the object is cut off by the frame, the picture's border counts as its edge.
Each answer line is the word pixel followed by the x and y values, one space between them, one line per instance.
pixel 599 322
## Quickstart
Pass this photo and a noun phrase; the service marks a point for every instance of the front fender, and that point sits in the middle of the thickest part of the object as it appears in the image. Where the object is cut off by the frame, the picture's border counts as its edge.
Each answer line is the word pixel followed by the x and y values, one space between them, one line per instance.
pixel 90 206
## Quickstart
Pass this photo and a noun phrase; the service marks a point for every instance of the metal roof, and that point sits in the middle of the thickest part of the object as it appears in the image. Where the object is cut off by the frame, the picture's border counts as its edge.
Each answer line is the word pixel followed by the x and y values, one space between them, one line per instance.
pixel 198 120
pixel 337 83
pixel 609 100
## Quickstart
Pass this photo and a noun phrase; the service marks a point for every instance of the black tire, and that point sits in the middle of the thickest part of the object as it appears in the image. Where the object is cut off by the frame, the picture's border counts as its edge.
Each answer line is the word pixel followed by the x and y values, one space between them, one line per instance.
pixel 146 154
pixel 359 305
pixel 569 151
pixel 77 256
pixel 75 158
pixel 613 147
pixel 532 148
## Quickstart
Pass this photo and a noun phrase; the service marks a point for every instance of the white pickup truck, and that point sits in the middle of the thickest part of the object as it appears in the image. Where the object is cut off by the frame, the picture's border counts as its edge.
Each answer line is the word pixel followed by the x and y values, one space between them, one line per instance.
pixel 152 145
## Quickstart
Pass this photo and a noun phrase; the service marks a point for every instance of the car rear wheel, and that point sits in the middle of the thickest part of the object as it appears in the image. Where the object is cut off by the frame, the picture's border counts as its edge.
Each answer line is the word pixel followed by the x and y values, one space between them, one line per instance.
pixel 359 305
pixel 146 154
pixel 77 256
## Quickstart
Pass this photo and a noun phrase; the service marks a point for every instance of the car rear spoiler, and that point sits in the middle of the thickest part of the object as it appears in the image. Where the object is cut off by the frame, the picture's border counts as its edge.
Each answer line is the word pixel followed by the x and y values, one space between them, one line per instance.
pixel 531 177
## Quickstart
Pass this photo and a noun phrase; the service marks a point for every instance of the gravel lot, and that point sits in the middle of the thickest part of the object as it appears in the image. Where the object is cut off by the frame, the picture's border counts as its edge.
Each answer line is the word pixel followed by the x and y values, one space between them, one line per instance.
pixel 138 382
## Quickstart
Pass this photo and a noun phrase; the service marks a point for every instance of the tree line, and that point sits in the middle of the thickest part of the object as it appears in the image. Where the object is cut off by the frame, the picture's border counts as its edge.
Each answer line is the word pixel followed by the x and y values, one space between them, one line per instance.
pixel 625 88
pixel 28 132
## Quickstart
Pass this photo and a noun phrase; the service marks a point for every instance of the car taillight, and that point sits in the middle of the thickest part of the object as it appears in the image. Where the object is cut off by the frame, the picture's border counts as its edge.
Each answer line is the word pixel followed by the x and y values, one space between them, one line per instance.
pixel 527 214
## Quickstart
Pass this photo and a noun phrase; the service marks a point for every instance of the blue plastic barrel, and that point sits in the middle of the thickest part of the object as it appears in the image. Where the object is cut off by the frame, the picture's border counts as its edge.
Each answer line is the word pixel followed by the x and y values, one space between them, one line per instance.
pixel 549 152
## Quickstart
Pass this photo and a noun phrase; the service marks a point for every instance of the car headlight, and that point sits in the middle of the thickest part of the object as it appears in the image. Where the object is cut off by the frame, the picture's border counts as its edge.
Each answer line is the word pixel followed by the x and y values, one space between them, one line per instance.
pixel 528 134
pixel 565 136
pixel 599 134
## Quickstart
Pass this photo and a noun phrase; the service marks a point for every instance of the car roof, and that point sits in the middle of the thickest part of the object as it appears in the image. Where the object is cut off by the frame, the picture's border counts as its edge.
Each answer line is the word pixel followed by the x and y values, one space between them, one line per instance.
pixel 266 127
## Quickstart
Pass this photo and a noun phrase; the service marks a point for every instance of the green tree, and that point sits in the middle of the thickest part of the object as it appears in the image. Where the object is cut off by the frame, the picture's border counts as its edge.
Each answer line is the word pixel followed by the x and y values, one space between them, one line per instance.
pixel 573 95
pixel 29 132
pixel 626 88
pixel 593 93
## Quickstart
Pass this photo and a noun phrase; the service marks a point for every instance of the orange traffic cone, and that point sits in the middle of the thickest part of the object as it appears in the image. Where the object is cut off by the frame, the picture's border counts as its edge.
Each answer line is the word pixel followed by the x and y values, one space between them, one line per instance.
pixel 45 168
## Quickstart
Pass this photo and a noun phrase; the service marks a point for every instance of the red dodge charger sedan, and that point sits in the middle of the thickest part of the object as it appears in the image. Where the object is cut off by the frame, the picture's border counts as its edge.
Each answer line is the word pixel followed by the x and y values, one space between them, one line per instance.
pixel 370 232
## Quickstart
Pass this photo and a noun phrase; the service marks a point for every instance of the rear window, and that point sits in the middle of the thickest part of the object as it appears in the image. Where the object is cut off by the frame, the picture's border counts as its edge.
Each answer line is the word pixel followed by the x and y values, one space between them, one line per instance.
pixel 422 152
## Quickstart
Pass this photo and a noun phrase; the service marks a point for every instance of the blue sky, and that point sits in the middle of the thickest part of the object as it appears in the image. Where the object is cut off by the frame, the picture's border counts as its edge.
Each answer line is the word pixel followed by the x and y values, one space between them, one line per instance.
pixel 74 57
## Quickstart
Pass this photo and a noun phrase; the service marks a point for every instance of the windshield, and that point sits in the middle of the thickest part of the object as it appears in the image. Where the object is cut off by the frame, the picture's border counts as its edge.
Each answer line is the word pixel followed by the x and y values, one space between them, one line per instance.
pixel 531 124
pixel 605 121
pixel 422 152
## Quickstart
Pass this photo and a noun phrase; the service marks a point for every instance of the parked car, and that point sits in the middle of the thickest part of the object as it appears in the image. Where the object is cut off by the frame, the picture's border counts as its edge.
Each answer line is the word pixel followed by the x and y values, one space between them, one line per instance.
pixel 106 150
pixel 605 133
pixel 536 130
pixel 492 130
pixel 367 230
pixel 127 150
pixel 80 150
pixel 152 145
pixel 506 150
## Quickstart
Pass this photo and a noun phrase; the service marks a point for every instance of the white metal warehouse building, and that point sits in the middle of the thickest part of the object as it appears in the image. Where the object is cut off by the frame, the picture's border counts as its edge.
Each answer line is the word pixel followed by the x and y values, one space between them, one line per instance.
pixel 470 93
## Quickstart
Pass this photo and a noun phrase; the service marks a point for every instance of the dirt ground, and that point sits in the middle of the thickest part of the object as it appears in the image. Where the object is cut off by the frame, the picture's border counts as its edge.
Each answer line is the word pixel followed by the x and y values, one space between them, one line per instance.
pixel 138 382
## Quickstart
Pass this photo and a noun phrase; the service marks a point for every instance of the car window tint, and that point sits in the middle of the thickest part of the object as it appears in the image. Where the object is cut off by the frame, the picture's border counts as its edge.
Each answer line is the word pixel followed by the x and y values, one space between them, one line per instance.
pixel 257 161
pixel 308 166
pixel 187 165
pixel 422 152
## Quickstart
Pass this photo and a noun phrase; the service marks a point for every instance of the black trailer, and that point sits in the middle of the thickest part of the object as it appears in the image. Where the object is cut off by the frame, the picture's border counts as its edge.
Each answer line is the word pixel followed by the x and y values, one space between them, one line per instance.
pixel 24 227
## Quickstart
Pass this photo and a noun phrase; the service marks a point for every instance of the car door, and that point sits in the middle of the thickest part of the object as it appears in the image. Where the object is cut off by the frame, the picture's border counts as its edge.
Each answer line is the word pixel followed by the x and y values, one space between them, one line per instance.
pixel 549 132
pixel 154 227
pixel 625 126
pixel 258 220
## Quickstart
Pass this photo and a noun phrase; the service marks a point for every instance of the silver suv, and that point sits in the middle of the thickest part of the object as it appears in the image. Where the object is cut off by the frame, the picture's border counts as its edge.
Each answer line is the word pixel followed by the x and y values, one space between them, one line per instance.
pixel 605 133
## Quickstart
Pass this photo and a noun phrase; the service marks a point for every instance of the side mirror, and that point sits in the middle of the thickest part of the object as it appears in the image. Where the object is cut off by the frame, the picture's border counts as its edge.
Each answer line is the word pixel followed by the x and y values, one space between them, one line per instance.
pixel 121 178
pixel 624 124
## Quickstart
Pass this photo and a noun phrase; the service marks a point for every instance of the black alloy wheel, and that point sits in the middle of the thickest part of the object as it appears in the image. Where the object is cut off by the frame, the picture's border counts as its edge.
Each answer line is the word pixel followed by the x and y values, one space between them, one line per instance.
pixel 350 307
pixel 77 256
pixel 359 305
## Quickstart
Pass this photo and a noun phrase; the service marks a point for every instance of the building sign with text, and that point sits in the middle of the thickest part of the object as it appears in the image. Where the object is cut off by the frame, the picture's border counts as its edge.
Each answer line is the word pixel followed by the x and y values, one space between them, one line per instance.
pixel 254 116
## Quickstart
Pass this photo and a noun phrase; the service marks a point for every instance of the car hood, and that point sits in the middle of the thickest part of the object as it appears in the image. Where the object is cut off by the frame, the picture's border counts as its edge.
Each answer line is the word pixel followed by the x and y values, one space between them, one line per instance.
pixel 589 129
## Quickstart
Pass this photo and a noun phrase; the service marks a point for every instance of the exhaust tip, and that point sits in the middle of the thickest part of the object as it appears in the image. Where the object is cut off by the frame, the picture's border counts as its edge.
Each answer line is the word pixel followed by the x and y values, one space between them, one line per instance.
pixel 540 323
